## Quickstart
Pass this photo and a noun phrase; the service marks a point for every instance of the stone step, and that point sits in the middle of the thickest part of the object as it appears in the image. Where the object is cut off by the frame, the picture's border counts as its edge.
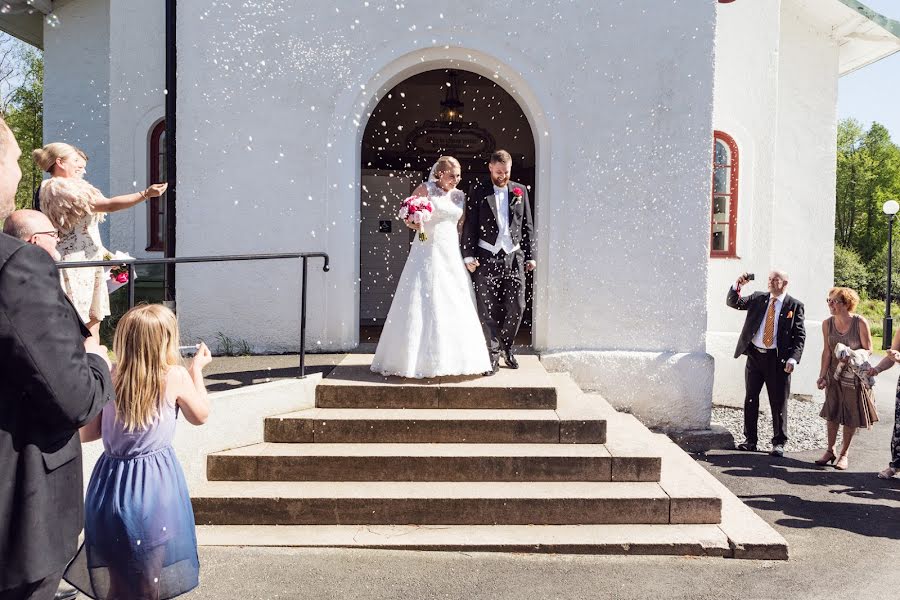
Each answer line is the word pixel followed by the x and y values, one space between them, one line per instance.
pixel 424 462
pixel 353 385
pixel 494 426
pixel 429 503
pixel 671 540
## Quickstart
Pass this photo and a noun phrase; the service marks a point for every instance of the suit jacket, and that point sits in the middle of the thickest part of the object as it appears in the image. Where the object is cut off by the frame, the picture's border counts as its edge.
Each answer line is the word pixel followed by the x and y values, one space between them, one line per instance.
pixel 481 219
pixel 49 387
pixel 791 335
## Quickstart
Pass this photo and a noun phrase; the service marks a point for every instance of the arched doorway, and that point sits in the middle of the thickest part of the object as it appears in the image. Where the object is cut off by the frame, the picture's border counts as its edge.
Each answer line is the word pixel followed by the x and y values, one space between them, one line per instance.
pixel 436 112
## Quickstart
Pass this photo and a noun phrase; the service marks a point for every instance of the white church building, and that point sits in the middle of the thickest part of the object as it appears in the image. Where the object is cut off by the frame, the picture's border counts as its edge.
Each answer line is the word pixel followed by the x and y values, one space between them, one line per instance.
pixel 669 146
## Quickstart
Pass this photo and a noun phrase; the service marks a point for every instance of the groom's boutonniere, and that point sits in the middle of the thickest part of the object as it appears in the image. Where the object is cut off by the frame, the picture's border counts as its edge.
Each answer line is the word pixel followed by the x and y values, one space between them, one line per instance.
pixel 790 314
pixel 517 195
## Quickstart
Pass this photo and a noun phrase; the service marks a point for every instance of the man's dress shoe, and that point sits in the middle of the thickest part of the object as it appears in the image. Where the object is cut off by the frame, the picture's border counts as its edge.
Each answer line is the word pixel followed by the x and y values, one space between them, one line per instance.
pixel 510 359
pixel 65 592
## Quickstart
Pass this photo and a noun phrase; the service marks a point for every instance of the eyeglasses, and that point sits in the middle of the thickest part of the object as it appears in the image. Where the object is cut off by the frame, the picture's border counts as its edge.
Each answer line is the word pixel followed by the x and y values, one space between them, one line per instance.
pixel 54 233
pixel 833 301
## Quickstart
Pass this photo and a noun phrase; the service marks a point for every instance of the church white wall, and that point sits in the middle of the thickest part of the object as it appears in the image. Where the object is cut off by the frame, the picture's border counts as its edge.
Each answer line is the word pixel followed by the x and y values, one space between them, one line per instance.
pixel 805 175
pixel 776 94
pixel 76 85
pixel 137 86
pixel 272 104
pixel 746 108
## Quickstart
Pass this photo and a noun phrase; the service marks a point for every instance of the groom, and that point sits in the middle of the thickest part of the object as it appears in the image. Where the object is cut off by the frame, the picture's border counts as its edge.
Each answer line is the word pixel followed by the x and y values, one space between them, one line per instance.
pixel 497 245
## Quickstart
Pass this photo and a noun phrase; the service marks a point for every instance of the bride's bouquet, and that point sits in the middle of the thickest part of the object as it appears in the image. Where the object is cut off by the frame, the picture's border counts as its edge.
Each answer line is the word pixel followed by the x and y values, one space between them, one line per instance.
pixel 116 276
pixel 416 210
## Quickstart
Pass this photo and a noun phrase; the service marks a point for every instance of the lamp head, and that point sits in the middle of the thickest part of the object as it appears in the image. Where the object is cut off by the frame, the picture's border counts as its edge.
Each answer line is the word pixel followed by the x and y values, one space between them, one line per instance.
pixel 891 207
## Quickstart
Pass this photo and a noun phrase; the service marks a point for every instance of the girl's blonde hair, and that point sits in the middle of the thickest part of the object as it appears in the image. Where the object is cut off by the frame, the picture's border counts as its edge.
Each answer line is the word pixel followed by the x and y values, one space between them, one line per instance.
pixel 45 157
pixel 146 347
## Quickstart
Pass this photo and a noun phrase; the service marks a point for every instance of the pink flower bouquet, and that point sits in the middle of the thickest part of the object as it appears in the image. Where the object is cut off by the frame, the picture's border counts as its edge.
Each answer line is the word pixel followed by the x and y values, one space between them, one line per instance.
pixel 416 210
pixel 116 276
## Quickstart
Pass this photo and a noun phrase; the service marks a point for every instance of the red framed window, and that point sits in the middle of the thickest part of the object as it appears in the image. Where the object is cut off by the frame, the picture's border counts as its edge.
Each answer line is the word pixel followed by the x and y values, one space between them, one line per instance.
pixel 156 207
pixel 723 223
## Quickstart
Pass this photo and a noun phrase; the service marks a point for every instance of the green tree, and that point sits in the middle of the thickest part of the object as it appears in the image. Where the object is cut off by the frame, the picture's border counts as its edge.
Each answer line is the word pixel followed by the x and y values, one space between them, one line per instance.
pixel 853 176
pixel 868 174
pixel 25 116
pixel 850 271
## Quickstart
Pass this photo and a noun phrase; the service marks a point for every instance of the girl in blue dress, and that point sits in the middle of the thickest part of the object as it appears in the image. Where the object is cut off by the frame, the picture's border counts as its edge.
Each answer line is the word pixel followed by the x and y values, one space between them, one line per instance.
pixel 139 538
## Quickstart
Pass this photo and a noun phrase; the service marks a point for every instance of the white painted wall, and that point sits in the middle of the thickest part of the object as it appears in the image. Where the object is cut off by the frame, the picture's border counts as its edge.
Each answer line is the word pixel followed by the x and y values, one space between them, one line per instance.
pixel 76 85
pixel 104 79
pixel 776 94
pixel 273 103
pixel 137 86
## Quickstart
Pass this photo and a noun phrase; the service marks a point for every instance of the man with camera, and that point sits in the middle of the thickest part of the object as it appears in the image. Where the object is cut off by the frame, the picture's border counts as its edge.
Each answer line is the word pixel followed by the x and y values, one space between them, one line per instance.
pixel 772 338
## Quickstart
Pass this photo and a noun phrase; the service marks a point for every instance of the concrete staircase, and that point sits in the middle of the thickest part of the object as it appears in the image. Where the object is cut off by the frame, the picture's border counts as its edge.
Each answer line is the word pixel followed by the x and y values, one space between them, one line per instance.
pixel 520 461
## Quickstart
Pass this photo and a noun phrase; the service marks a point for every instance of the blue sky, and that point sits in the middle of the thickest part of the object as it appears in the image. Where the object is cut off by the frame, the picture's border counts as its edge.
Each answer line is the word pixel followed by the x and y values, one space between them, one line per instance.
pixel 873 93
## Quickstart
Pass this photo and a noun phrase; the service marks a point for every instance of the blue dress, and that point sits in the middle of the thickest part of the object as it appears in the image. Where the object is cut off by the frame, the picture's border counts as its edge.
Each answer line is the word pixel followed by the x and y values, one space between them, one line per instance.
pixel 139 538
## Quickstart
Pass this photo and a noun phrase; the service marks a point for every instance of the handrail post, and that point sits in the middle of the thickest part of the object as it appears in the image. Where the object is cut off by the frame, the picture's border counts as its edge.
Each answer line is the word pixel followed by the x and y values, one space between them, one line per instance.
pixel 303 322
pixel 130 286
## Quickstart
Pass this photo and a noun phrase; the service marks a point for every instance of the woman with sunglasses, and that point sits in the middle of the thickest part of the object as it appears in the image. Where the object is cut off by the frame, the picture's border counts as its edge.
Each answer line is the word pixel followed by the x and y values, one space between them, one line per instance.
pixel 848 402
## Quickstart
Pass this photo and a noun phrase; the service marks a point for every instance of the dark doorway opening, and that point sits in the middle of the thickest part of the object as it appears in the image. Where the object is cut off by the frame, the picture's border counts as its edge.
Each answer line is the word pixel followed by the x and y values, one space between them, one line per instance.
pixel 446 111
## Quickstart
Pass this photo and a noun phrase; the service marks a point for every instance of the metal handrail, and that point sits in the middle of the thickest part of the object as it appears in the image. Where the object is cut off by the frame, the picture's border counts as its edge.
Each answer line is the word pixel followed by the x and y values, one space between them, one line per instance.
pixel 136 262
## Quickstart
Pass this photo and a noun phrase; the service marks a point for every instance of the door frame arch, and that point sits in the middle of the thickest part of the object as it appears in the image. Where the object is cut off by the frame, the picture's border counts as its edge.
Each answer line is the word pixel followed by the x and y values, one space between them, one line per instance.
pixel 354 108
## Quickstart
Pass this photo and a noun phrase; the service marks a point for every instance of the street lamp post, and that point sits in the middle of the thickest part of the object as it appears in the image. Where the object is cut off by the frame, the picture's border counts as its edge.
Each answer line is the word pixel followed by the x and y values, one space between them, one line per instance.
pixel 890 208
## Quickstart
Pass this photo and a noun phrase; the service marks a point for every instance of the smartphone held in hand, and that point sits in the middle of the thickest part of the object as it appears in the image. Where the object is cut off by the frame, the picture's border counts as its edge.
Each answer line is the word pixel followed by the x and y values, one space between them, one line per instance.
pixel 188 350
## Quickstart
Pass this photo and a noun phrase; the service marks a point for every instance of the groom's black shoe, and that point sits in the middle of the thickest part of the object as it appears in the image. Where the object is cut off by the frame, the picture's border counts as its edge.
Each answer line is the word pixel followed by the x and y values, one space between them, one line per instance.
pixel 510 359
pixel 65 592
pixel 495 366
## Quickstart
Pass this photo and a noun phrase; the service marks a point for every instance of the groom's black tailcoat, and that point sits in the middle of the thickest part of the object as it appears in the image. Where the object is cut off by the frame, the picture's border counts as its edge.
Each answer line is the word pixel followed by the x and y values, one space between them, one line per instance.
pixel 500 278
pixel 49 388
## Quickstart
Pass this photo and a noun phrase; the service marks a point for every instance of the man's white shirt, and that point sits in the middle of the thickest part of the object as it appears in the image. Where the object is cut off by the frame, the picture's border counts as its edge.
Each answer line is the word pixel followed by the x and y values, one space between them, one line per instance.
pixel 504 237
pixel 758 337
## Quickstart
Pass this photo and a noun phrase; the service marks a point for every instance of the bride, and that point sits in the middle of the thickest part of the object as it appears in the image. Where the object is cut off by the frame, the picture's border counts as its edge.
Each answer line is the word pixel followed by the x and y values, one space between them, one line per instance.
pixel 432 328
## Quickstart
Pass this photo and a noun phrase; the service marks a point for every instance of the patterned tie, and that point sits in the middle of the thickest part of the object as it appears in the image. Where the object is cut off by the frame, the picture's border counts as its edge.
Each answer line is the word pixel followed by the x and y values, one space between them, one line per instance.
pixel 769 331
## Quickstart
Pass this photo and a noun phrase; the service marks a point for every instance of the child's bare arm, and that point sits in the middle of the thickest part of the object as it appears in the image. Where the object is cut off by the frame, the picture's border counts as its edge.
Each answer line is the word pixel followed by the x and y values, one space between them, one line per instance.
pixel 192 398
pixel 91 431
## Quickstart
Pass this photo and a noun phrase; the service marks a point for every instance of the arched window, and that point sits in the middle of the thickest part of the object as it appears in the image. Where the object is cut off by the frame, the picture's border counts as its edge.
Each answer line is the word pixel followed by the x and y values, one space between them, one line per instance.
pixel 723 227
pixel 156 207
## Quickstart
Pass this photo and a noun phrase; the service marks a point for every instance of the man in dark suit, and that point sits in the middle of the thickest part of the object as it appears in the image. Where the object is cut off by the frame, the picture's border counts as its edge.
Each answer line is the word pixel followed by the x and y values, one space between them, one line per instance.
pixel 498 248
pixel 49 387
pixel 772 338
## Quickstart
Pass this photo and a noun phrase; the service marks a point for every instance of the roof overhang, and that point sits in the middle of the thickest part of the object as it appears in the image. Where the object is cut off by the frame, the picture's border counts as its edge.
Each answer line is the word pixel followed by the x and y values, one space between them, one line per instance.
pixel 24 19
pixel 863 35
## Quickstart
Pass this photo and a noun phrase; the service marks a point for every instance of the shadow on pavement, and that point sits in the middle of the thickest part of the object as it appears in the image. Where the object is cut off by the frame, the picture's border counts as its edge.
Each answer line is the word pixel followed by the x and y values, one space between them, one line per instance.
pixel 870 520
pixel 229 380
pixel 857 502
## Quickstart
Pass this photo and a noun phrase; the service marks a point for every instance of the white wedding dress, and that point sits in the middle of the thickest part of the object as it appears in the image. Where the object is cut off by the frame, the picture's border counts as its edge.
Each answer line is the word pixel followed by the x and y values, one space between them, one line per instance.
pixel 432 328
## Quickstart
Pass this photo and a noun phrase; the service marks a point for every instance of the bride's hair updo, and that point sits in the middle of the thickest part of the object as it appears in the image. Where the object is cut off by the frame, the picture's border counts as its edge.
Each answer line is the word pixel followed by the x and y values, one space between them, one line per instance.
pixel 444 164
pixel 46 157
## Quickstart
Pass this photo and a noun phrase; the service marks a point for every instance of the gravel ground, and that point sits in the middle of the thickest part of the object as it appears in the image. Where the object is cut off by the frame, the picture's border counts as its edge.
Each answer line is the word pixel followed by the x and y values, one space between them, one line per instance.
pixel 806 429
